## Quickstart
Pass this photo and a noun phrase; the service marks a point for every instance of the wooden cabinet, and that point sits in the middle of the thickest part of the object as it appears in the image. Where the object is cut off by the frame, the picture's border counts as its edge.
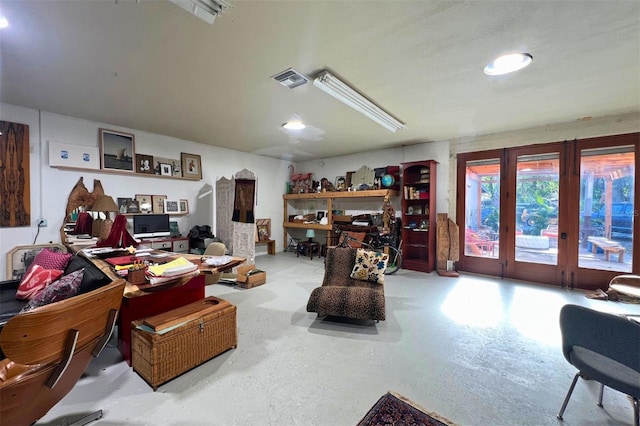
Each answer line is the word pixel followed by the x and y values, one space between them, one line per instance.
pixel 419 215
pixel 326 201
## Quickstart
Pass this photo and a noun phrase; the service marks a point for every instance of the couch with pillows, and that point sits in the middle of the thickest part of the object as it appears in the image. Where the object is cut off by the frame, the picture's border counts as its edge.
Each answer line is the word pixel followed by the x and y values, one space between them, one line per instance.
pixel 353 285
pixel 51 276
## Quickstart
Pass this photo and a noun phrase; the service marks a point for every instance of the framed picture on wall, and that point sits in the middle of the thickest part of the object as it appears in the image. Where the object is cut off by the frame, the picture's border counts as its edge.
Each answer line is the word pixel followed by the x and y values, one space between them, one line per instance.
pixel 117 150
pixel 191 166
pixel 171 206
pixel 145 203
pixel 144 164
pixel 183 206
pixel 158 203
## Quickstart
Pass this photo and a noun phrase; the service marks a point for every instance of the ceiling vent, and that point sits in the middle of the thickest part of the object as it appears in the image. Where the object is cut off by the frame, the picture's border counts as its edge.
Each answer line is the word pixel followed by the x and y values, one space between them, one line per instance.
pixel 290 78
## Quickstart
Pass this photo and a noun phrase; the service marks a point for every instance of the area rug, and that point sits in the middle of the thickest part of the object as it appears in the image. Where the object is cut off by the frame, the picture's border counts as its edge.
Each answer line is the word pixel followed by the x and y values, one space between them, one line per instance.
pixel 394 409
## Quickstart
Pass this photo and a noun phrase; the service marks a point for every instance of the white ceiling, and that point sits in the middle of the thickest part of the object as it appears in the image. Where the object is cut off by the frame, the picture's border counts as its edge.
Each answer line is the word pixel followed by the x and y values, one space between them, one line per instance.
pixel 149 65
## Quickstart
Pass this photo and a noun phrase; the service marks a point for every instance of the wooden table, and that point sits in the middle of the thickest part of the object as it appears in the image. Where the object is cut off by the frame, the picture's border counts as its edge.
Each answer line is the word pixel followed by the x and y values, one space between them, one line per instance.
pixel 141 301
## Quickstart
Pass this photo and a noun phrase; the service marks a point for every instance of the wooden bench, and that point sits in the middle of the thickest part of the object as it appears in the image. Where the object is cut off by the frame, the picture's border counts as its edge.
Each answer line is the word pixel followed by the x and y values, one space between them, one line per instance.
pixel 608 247
pixel 271 246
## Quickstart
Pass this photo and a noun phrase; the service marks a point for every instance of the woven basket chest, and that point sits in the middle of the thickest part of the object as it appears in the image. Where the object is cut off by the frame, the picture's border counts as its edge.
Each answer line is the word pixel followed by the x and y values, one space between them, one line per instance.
pixel 181 339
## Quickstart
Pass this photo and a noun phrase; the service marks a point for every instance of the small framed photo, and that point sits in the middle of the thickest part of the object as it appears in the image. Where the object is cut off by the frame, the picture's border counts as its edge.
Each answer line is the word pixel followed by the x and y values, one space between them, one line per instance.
pixel 117 150
pixel 133 207
pixel 165 169
pixel 123 204
pixel 341 183
pixel 145 203
pixel 158 203
pixel 171 206
pixel 184 206
pixel 144 164
pixel 263 229
pixel 191 166
pixel 319 215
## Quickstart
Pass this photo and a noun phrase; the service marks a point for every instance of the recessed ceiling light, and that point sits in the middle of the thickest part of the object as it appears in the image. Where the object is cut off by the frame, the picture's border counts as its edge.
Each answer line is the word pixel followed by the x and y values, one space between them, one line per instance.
pixel 4 23
pixel 508 63
pixel 294 125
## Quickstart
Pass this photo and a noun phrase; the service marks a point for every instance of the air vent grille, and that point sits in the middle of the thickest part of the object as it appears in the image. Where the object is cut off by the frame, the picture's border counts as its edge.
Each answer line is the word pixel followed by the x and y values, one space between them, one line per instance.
pixel 290 78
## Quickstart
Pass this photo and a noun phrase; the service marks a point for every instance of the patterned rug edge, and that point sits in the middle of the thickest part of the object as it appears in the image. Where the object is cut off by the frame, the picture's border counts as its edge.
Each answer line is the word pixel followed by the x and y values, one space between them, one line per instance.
pixel 367 419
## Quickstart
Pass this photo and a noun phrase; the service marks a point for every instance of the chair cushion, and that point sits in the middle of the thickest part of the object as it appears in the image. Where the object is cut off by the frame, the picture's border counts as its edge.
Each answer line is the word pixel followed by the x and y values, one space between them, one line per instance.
pixel 93 277
pixel 369 266
pixel 350 302
pixel 35 280
pixel 64 288
pixel 606 371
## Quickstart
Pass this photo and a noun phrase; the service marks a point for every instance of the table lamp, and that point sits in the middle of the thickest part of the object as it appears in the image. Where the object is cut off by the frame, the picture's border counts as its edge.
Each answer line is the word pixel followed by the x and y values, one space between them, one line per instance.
pixel 311 235
pixel 104 204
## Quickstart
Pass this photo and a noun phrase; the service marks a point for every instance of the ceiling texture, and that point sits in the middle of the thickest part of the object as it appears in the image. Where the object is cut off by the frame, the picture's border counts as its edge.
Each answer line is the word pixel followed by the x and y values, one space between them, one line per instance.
pixel 150 65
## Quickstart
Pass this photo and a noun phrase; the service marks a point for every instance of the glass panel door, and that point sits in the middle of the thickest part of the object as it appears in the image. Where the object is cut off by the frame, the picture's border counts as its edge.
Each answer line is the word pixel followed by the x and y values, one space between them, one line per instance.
pixel 606 212
pixel 482 212
pixel 536 210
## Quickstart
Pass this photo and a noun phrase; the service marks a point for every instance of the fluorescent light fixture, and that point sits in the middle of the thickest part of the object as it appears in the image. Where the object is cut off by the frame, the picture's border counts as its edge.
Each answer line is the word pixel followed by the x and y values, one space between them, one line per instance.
pixel 294 125
pixel 331 85
pixel 508 63
pixel 4 23
pixel 207 10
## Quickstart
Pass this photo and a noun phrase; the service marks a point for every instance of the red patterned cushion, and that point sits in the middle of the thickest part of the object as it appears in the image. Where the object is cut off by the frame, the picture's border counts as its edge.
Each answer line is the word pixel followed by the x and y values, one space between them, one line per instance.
pixel 35 280
pixel 64 288
pixel 49 259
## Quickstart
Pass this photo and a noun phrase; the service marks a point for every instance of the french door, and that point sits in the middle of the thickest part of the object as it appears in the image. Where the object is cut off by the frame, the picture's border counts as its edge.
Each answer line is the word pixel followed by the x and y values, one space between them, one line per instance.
pixel 561 213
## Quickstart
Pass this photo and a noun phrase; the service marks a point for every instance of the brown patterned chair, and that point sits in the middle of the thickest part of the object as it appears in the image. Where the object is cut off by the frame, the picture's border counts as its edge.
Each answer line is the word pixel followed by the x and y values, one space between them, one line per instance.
pixel 342 296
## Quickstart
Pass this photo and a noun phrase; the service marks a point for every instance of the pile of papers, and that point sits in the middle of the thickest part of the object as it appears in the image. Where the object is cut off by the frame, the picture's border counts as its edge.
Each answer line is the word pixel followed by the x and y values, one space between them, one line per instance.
pixel 176 269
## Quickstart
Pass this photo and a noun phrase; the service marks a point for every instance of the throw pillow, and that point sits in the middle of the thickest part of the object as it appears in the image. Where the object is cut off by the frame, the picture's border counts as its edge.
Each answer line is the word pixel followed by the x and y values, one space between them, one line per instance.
pixel 65 287
pixel 35 281
pixel 50 259
pixel 369 266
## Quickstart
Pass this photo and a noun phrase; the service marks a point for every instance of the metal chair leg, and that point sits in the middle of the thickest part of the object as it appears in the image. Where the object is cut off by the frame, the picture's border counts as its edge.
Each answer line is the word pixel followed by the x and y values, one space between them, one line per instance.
pixel 636 412
pixel 600 396
pixel 566 399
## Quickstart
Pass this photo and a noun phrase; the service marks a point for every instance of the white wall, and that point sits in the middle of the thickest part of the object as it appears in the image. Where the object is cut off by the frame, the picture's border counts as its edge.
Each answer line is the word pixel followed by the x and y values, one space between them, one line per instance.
pixel 50 187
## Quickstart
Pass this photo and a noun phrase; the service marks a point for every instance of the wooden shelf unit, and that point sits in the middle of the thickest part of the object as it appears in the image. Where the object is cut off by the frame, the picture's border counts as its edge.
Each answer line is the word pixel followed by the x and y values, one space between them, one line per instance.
pixel 419 215
pixel 329 198
pixel 122 173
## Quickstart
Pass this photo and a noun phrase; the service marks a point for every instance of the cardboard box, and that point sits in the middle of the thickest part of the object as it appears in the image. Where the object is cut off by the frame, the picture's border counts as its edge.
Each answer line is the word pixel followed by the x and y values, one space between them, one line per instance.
pixel 249 276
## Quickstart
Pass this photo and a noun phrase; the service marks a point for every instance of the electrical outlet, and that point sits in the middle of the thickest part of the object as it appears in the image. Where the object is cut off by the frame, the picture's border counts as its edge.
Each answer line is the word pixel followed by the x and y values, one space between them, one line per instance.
pixel 42 223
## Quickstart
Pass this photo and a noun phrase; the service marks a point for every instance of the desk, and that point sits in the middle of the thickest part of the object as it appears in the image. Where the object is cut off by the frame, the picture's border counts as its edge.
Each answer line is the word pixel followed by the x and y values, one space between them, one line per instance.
pixel 141 301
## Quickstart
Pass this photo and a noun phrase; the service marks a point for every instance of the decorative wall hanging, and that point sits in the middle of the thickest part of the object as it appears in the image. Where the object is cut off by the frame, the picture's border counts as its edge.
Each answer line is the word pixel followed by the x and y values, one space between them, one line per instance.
pixel 117 150
pixel 15 195
pixel 244 201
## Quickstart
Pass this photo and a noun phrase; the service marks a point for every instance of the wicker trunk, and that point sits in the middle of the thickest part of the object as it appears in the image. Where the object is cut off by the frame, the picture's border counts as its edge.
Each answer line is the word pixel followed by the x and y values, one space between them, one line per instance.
pixel 202 330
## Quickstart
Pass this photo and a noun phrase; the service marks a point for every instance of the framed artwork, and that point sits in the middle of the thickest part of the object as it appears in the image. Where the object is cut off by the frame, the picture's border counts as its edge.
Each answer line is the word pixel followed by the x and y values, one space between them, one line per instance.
pixel 341 183
pixel 165 169
pixel 158 203
pixel 171 206
pixel 176 169
pixel 117 150
pixel 145 203
pixel 319 215
pixel 20 258
pixel 15 193
pixel 191 166
pixel 144 164
pixel 184 206
pixel 123 203
pixel 263 229
pixel 133 207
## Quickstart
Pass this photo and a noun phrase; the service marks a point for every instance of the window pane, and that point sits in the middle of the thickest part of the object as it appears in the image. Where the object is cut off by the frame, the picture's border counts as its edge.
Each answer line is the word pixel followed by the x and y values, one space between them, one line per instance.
pixel 536 218
pixel 606 208
pixel 482 208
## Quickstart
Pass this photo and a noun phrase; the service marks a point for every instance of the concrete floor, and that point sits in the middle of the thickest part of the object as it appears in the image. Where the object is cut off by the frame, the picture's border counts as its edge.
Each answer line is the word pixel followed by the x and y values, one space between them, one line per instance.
pixel 477 350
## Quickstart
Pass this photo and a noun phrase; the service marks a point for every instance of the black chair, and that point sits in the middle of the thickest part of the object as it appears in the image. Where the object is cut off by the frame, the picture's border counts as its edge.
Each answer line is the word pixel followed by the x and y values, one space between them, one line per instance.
pixel 603 347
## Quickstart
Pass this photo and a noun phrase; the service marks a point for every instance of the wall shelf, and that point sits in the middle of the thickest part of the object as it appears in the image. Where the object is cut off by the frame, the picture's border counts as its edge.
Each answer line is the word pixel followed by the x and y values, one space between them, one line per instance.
pixel 116 172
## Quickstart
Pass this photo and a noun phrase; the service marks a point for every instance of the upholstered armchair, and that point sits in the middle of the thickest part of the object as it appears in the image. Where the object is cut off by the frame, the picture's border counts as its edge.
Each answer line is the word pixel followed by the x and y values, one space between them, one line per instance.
pixel 48 349
pixel 343 296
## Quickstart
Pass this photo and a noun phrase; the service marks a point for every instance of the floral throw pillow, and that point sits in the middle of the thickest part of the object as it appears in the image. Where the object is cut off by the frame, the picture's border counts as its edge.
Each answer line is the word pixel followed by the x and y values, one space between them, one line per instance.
pixel 35 281
pixel 370 266
pixel 65 287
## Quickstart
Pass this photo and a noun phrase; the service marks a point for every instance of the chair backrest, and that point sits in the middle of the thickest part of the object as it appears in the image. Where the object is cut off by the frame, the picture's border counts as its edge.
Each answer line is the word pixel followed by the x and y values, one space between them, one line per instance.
pixel 215 249
pixel 57 341
pixel 338 266
pixel 612 336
